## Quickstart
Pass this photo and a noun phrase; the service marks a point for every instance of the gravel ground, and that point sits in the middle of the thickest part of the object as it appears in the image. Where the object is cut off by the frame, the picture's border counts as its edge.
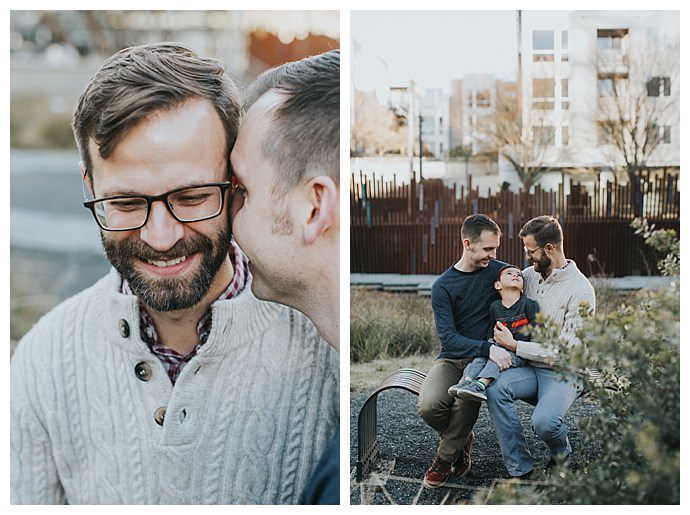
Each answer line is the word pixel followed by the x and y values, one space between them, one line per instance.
pixel 407 445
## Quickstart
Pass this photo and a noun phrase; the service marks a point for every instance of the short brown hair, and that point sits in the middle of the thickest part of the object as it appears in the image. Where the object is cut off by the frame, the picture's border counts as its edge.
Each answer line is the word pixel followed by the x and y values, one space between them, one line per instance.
pixel 544 229
pixel 306 133
pixel 140 80
pixel 473 226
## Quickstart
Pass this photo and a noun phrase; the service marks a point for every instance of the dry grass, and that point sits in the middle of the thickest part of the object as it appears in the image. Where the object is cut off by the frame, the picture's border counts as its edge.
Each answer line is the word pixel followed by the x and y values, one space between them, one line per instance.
pixel 384 324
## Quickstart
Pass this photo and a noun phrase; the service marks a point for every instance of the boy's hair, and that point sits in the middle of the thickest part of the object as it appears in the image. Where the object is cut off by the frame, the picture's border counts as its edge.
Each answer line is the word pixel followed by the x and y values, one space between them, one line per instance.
pixel 544 229
pixel 503 269
pixel 473 226
pixel 137 81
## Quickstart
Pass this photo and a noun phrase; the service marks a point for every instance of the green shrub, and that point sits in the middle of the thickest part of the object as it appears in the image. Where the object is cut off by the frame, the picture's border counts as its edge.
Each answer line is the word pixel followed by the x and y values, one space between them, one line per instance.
pixel 637 428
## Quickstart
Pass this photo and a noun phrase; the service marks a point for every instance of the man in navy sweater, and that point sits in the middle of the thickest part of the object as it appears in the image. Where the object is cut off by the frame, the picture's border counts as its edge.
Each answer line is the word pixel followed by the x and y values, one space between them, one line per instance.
pixel 460 298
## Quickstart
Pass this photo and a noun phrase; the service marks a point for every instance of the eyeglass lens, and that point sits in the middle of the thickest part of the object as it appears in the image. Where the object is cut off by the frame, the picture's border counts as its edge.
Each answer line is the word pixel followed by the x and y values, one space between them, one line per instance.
pixel 186 205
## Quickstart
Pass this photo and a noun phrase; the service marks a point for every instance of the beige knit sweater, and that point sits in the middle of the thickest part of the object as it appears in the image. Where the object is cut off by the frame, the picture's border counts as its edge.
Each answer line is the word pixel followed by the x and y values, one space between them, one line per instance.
pixel 559 297
pixel 246 422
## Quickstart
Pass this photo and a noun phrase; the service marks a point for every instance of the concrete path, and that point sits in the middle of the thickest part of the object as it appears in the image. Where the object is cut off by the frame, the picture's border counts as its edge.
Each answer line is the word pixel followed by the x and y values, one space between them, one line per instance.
pixel 422 283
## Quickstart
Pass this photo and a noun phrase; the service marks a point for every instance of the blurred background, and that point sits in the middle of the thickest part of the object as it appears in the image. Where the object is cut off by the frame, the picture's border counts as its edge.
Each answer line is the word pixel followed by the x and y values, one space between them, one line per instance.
pixel 55 249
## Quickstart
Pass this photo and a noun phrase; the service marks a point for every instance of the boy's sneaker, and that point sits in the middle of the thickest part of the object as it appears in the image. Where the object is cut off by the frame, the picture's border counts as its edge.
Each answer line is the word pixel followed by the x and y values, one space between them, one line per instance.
pixel 454 390
pixel 438 473
pixel 475 391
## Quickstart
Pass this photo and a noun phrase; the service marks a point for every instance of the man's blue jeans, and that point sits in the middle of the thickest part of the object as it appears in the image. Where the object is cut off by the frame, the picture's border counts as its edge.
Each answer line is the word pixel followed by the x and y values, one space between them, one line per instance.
pixel 553 395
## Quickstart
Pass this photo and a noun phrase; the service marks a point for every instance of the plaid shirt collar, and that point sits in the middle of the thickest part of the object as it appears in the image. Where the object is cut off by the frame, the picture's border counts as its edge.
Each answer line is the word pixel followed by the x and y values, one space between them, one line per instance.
pixel 172 360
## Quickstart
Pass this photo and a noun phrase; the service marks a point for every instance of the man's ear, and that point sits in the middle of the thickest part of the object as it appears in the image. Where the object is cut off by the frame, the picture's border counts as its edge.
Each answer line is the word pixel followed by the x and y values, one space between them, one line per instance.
pixel 87 181
pixel 322 196
pixel 467 244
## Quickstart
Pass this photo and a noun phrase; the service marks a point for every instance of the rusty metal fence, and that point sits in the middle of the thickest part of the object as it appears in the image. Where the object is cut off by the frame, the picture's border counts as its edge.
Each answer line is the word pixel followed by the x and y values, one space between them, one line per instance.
pixel 415 228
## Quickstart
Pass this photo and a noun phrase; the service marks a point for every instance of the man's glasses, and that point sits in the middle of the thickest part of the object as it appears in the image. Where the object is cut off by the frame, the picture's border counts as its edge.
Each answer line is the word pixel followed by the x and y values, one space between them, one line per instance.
pixel 530 253
pixel 130 212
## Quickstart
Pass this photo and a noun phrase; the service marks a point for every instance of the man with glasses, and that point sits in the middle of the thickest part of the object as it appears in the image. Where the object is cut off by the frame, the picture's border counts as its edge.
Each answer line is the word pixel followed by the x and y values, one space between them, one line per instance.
pixel 166 382
pixel 286 207
pixel 561 290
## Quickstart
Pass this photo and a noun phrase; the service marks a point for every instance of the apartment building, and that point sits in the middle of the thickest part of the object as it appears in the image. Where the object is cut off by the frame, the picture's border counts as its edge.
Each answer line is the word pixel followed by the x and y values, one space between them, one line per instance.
pixel 600 90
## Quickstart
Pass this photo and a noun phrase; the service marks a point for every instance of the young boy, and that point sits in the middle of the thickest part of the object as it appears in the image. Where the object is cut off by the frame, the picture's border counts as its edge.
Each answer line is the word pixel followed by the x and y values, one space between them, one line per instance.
pixel 513 310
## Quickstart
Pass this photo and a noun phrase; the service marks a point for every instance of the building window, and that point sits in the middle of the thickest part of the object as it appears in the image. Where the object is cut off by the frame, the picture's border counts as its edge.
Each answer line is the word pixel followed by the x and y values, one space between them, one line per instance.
pixel 543 88
pixel 564 40
pixel 659 86
pixel 483 99
pixel 609 86
pixel 564 88
pixel 662 133
pixel 543 45
pixel 544 135
pixel 611 39
pixel 565 136
pixel 606 130
pixel 666 135
pixel 605 87
pixel 543 93
pixel 542 40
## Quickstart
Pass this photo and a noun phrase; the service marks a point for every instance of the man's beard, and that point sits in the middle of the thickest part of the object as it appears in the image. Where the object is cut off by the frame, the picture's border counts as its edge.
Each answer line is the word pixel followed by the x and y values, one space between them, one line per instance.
pixel 542 264
pixel 169 293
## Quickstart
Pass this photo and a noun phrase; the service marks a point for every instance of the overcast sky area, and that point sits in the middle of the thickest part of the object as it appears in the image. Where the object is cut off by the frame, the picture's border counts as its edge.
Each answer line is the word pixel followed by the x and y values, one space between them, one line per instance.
pixel 433 47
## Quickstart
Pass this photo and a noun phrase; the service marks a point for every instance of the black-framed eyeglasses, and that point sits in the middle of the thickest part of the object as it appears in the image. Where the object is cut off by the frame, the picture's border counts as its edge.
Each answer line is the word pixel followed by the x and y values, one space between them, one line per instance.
pixel 188 204
pixel 530 253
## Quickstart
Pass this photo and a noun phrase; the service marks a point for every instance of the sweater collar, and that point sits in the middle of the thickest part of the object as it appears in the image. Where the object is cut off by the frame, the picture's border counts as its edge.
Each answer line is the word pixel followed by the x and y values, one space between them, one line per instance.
pixel 563 274
pixel 234 319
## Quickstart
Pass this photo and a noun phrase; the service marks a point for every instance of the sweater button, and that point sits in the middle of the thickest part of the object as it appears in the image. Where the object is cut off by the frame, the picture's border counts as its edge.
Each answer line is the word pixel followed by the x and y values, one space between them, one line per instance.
pixel 143 371
pixel 124 328
pixel 159 415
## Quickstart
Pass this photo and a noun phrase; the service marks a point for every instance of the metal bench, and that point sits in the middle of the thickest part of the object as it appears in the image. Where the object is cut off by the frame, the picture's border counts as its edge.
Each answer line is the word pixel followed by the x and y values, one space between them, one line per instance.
pixel 407 379
pixel 410 380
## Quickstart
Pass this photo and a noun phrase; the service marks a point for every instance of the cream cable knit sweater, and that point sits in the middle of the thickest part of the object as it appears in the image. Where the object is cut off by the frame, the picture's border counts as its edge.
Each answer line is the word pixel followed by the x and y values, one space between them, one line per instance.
pixel 559 298
pixel 246 422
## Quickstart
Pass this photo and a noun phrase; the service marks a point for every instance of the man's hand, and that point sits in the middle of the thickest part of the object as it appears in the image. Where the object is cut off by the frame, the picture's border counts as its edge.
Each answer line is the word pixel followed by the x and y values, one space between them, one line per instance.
pixel 500 357
pixel 504 337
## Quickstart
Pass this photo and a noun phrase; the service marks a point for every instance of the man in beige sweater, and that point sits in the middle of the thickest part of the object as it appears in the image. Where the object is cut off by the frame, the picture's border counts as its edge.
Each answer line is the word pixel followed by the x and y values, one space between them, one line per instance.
pixel 561 290
pixel 168 381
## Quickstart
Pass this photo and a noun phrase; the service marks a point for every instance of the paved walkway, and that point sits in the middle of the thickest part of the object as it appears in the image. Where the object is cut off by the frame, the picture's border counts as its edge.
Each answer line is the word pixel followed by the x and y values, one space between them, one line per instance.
pixel 422 283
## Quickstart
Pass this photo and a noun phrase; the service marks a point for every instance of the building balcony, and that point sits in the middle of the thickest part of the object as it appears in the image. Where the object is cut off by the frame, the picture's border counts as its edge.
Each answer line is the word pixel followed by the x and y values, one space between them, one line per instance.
pixel 612 61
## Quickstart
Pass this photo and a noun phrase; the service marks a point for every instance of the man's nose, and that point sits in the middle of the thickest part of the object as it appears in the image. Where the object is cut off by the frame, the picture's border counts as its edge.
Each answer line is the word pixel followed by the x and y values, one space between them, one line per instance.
pixel 161 231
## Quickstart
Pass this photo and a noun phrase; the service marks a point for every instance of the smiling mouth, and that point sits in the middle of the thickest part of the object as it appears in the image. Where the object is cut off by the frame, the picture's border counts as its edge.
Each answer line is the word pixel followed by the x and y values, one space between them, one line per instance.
pixel 165 264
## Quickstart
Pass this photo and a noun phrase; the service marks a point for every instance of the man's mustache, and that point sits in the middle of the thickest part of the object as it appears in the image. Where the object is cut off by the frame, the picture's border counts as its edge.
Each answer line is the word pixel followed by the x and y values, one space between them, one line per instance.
pixel 182 248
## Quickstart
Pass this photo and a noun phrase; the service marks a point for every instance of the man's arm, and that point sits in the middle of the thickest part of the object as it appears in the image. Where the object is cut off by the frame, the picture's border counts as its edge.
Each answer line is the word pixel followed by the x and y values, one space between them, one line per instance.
pixel 33 474
pixel 452 342
pixel 572 321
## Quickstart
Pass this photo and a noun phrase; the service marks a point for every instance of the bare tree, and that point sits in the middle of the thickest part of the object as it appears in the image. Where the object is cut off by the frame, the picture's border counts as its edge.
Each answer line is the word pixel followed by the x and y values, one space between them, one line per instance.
pixel 375 129
pixel 637 103
pixel 525 141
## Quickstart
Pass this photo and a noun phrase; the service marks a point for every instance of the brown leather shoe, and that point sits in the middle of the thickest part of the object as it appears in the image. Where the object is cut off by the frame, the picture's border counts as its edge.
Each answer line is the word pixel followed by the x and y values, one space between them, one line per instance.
pixel 438 473
pixel 464 462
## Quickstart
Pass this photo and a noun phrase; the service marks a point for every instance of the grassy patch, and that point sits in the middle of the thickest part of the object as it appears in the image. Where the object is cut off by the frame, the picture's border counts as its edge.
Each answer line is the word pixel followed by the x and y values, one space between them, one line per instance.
pixel 387 325
pixel 384 324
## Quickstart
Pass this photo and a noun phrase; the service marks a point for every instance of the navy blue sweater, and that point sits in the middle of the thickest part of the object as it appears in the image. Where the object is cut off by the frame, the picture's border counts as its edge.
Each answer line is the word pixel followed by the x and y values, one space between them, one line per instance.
pixel 461 301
